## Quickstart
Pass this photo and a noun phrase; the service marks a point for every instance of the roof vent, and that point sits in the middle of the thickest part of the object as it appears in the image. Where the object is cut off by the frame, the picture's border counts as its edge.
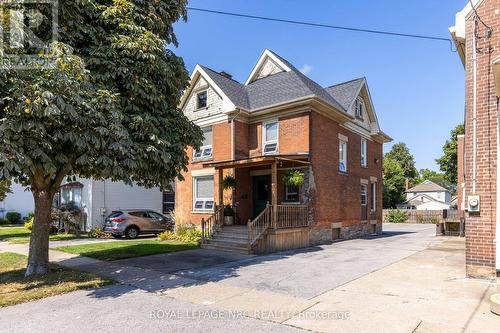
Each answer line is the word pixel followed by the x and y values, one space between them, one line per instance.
pixel 226 74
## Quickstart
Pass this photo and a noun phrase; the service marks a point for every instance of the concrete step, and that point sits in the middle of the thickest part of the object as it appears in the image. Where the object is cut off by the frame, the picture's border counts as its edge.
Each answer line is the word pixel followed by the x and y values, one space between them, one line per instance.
pixel 230 239
pixel 228 243
pixel 231 235
pixel 211 246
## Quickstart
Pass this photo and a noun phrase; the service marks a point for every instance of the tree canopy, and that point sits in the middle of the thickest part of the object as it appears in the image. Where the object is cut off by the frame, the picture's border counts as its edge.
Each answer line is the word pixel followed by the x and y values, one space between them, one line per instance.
pixel 106 108
pixel 435 177
pixel 394 183
pixel 4 188
pixel 448 161
pixel 400 153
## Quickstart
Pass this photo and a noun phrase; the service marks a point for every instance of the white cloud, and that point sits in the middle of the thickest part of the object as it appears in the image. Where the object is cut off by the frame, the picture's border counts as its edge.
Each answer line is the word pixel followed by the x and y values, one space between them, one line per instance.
pixel 306 69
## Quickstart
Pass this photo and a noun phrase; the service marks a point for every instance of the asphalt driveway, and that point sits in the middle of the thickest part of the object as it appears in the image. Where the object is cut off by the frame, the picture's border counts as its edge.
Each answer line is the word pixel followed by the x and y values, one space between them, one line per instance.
pixel 398 282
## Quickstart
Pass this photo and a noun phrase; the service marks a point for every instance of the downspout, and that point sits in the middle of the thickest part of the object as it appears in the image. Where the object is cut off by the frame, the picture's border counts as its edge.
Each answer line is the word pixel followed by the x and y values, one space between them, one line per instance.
pixel 497 227
pixel 474 104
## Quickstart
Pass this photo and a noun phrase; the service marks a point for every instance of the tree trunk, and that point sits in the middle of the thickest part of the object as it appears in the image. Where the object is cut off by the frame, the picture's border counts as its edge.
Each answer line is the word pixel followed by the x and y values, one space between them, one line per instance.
pixel 38 259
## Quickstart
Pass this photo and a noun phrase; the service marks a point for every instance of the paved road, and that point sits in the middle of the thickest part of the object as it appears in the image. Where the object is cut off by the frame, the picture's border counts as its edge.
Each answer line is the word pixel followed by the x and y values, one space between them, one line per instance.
pixel 276 291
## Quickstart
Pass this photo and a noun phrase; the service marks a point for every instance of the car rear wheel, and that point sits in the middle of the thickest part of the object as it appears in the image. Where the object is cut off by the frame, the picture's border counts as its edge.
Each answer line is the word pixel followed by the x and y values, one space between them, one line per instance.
pixel 132 232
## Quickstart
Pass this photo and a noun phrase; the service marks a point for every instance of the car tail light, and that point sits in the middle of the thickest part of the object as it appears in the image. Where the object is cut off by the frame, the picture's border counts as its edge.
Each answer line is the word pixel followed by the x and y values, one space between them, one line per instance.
pixel 118 219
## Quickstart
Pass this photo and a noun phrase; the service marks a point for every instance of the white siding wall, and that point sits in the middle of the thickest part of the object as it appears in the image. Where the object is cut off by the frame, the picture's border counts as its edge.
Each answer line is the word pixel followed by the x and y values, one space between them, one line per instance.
pixel 19 200
pixel 214 102
pixel 441 195
pixel 118 195
pixel 432 205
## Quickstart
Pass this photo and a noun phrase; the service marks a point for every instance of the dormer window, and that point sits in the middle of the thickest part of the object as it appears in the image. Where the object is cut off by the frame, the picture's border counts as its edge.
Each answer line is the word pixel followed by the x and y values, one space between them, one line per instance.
pixel 359 108
pixel 270 138
pixel 205 150
pixel 201 100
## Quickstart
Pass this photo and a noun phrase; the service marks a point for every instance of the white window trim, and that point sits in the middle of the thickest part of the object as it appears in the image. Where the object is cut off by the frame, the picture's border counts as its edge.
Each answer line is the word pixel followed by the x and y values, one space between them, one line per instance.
pixel 198 107
pixel 264 142
pixel 204 200
pixel 373 197
pixel 364 190
pixel 203 148
pixel 344 157
pixel 364 151
pixel 359 101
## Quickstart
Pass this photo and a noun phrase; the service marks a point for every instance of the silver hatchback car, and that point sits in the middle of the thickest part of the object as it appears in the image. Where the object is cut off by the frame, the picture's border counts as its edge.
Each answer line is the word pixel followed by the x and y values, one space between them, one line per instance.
pixel 133 222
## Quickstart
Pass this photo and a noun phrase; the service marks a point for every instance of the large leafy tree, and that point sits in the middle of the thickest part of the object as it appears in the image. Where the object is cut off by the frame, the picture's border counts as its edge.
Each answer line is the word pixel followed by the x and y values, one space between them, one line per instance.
pixel 4 188
pixel 106 109
pixel 394 183
pixel 448 161
pixel 400 153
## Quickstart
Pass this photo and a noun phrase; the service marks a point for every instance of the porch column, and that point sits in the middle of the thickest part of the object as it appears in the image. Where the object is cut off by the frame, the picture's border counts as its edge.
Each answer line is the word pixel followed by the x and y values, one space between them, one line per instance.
pixel 274 193
pixel 220 173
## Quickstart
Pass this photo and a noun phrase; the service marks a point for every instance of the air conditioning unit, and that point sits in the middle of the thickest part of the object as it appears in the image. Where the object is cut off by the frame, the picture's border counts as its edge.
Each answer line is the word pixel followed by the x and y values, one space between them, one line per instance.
pixel 473 204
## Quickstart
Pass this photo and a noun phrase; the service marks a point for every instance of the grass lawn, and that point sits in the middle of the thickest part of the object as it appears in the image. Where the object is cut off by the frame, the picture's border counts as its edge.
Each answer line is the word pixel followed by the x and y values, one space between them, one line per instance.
pixel 22 235
pixel 126 249
pixel 15 289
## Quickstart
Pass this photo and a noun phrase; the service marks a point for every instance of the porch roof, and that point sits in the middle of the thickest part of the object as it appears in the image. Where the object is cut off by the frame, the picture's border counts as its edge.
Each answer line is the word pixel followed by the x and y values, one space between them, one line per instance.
pixel 257 161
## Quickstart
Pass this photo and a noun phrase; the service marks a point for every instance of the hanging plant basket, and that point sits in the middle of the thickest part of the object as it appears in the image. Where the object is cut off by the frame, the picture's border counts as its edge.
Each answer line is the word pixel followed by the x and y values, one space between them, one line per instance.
pixel 229 183
pixel 293 177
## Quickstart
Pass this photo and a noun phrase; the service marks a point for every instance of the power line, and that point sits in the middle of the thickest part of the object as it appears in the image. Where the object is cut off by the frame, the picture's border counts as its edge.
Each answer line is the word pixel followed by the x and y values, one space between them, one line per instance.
pixel 479 17
pixel 320 25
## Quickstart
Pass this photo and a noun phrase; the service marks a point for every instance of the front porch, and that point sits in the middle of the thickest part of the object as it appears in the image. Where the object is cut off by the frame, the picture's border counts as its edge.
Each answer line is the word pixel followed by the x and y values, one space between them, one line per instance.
pixel 269 214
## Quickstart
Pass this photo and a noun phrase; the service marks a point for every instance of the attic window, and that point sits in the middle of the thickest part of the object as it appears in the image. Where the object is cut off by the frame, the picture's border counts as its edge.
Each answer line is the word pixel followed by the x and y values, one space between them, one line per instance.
pixel 359 108
pixel 201 100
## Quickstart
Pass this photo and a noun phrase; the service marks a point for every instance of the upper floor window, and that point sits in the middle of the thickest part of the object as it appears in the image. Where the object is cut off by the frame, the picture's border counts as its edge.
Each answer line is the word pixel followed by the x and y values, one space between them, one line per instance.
pixel 270 138
pixel 342 156
pixel 201 100
pixel 363 153
pixel 359 108
pixel 205 150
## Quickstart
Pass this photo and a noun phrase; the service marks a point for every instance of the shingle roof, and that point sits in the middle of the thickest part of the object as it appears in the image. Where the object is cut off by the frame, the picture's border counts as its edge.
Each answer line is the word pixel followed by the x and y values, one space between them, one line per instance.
pixel 273 89
pixel 234 90
pixel 346 92
pixel 427 186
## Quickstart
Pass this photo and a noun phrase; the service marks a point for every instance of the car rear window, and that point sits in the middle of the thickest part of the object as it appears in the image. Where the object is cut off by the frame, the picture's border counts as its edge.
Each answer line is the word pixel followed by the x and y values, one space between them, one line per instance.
pixel 114 214
pixel 138 214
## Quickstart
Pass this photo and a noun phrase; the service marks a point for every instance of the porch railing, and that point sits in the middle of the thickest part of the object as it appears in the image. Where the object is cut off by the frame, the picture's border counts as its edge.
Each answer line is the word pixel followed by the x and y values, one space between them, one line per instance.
pixel 259 225
pixel 291 216
pixel 287 216
pixel 212 224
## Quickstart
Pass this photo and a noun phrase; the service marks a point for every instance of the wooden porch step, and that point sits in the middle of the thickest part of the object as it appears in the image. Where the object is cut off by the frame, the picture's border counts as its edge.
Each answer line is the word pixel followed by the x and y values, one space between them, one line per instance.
pixel 230 239
pixel 227 234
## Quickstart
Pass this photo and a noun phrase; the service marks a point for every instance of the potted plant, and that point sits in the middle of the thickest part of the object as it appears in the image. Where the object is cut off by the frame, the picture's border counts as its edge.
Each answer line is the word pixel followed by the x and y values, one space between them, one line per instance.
pixel 229 183
pixel 293 177
pixel 228 215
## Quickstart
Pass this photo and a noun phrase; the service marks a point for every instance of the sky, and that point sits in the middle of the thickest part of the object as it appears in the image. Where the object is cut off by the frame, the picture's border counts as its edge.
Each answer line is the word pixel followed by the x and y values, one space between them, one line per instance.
pixel 417 86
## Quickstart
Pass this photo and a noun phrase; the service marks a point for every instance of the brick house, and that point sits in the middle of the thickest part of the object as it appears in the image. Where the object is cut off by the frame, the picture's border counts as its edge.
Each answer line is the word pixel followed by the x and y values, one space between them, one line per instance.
pixel 280 120
pixel 477 38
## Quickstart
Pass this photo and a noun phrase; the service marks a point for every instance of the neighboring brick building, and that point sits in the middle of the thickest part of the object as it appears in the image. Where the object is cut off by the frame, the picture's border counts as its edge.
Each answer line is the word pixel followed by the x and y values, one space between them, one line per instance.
pixel 477 38
pixel 277 121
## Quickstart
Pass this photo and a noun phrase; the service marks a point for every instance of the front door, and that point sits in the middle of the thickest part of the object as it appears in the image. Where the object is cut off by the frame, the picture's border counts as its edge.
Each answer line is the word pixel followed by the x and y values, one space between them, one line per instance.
pixel 261 193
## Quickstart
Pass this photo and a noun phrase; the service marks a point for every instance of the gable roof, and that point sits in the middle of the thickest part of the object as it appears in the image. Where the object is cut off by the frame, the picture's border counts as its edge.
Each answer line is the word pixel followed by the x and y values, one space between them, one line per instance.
pixel 234 90
pixel 427 186
pixel 413 200
pixel 284 84
pixel 345 93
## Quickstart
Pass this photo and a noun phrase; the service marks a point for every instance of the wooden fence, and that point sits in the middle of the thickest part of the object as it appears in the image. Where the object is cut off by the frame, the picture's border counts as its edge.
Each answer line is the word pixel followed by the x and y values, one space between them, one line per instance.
pixel 428 216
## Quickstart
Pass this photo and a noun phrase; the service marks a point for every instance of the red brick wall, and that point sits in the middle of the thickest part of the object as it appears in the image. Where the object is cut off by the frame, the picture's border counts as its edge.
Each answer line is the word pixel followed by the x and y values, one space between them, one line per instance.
pixel 480 228
pixel 221 142
pixel 338 197
pixel 460 171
